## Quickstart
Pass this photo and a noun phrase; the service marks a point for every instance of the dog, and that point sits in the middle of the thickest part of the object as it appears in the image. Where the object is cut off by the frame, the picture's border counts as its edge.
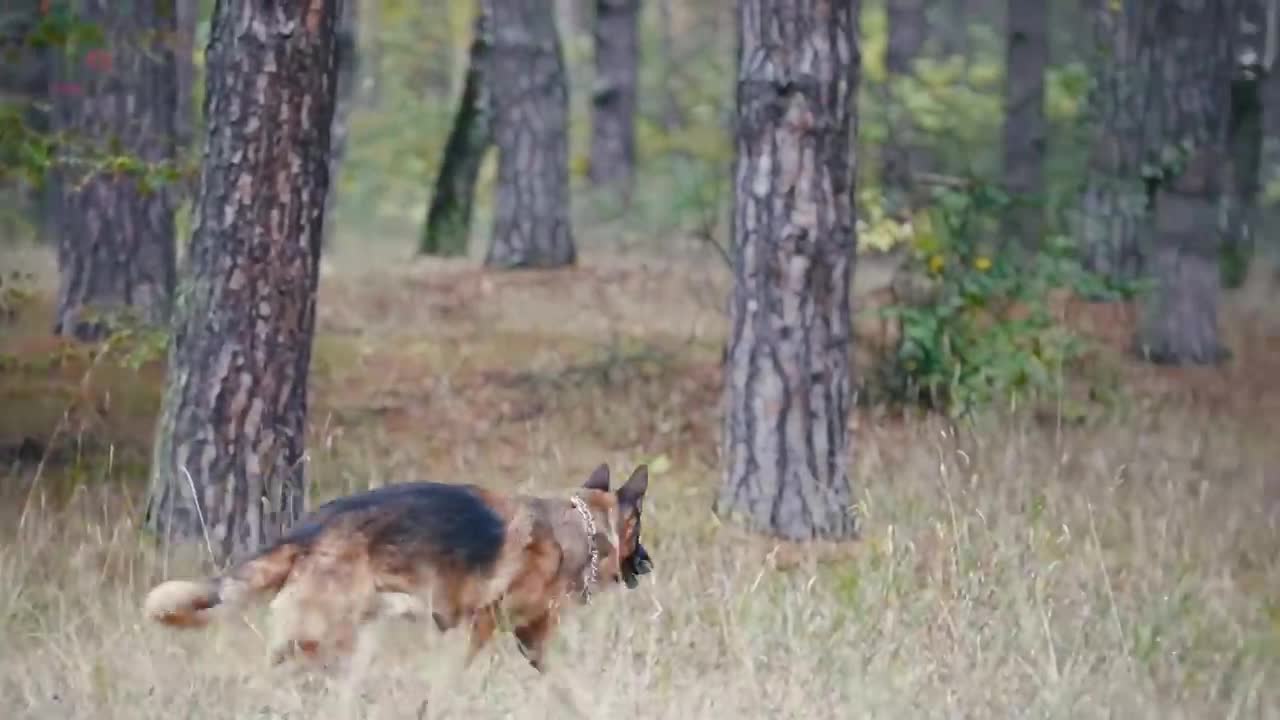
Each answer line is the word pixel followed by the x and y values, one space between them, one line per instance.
pixel 460 554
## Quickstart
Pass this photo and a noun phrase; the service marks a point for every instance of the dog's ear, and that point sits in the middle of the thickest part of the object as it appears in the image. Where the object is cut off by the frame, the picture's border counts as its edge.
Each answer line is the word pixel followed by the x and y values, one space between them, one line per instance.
pixel 603 546
pixel 632 494
pixel 599 479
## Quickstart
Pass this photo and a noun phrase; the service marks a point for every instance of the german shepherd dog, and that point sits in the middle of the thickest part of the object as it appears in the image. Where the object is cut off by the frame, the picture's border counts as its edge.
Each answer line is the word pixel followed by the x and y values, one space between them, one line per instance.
pixel 459 553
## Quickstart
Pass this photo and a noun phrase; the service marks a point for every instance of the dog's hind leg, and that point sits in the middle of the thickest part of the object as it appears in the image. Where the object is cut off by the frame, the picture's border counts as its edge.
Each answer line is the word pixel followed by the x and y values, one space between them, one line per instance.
pixel 483 626
pixel 355 668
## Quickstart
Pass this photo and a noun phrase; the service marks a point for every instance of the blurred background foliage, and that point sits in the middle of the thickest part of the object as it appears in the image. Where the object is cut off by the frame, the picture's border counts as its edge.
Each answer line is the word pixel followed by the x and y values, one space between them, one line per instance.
pixel 411 61
pixel 413 54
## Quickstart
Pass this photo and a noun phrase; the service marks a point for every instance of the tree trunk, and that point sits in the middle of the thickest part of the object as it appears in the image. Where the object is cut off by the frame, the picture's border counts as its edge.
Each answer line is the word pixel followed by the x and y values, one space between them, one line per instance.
pixel 1244 142
pixel 24 85
pixel 1191 102
pixel 185 124
pixel 787 387
pixel 115 229
pixel 1268 245
pixel 672 116
pixel 613 131
pixel 1025 129
pixel 348 41
pixel 229 452
pixel 531 226
pixel 1115 200
pixel 448 226
pixel 188 18
pixel 902 155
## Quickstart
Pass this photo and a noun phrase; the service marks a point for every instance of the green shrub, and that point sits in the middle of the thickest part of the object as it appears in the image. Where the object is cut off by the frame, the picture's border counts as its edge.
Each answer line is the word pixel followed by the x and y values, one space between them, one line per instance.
pixel 986 331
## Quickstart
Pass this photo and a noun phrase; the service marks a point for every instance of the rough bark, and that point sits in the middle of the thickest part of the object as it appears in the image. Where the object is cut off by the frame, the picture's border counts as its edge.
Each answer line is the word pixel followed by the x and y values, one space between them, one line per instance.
pixel 186 124
pixel 1112 217
pixel 448 226
pixel 1025 128
pixel 24 84
pixel 228 464
pixel 188 18
pixel 1244 142
pixel 908 26
pixel 1269 238
pixel 613 98
pixel 347 74
pixel 1191 102
pixel 115 231
pixel 531 226
pixel 787 385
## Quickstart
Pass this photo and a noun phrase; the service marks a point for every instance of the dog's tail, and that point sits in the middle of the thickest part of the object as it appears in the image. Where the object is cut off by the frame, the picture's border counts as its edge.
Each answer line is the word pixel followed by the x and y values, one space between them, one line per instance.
pixel 191 604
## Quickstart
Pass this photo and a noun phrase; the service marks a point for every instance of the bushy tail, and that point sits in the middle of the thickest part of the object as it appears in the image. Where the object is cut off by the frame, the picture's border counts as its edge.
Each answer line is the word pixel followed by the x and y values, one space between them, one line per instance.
pixel 190 604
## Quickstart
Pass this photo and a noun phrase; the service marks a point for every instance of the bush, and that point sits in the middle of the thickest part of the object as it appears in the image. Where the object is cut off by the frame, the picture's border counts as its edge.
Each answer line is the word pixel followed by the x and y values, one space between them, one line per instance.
pixel 987 329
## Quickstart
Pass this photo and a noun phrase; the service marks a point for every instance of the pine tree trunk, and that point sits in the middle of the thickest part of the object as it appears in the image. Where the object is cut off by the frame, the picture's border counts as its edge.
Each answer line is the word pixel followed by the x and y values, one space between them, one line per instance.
pixel 188 18
pixel 115 231
pixel 531 225
pixel 448 227
pixel 672 116
pixel 186 131
pixel 229 452
pixel 1267 269
pixel 1113 213
pixel 348 41
pixel 24 85
pixel 1191 102
pixel 787 385
pixel 1244 142
pixel 613 132
pixel 1025 129
pixel 902 155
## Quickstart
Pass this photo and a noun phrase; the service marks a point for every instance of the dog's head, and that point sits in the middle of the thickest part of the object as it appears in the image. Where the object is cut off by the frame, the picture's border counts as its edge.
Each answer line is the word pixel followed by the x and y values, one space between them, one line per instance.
pixel 631 559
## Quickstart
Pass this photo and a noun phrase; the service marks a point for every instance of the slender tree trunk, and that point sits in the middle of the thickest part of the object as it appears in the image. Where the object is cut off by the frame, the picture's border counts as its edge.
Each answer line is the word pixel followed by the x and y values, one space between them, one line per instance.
pixel 902 155
pixel 186 123
pixel 1115 200
pixel 613 131
pixel 188 18
pixel 787 391
pixel 229 452
pixel 1025 129
pixel 1268 236
pixel 1245 142
pixel 672 116
pixel 24 81
pixel 1191 102
pixel 115 229
pixel 531 226
pixel 348 41
pixel 953 29
pixel 448 226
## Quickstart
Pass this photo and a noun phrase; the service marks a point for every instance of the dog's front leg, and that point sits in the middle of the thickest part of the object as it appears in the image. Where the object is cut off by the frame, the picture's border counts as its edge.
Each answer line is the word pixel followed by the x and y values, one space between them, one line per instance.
pixel 533 637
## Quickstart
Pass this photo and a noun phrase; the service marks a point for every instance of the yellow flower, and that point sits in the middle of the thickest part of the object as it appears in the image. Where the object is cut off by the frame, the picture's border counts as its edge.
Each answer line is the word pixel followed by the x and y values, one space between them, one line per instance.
pixel 983 264
pixel 936 263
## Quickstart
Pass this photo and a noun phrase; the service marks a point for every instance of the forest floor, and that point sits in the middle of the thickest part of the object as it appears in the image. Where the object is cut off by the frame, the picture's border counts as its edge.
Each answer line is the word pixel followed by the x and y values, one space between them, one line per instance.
pixel 1125 565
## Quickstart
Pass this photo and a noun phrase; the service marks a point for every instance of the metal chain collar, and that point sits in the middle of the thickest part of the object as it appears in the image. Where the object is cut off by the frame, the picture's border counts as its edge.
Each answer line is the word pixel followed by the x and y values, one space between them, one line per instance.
pixel 590 524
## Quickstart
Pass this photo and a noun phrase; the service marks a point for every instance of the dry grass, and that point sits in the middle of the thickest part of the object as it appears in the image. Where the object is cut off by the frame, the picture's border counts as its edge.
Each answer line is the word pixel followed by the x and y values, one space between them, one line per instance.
pixel 1009 569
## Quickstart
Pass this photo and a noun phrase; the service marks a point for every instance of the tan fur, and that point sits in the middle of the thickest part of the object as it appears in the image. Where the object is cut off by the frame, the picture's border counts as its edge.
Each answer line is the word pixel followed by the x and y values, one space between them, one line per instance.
pixel 180 603
pixel 187 604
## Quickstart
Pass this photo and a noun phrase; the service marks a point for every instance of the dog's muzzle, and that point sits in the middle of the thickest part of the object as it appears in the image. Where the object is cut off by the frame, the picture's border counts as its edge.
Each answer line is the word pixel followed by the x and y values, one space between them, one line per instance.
pixel 639 563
